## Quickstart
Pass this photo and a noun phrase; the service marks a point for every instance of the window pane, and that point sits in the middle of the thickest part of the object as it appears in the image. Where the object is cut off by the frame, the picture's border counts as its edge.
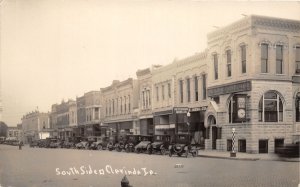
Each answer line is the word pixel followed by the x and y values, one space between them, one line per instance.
pixel 264 66
pixel 270 95
pixel 279 66
pixel 270 105
pixel 216 66
pixel 264 51
pixel 297 54
pixel 279 52
pixel 271 116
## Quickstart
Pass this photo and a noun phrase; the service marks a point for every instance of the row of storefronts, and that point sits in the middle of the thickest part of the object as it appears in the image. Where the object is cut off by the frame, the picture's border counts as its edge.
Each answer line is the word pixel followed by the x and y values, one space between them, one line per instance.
pixel 248 79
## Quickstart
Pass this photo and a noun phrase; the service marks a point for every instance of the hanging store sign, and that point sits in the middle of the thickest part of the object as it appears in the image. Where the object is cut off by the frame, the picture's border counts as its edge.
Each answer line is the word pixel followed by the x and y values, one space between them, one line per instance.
pixel 171 126
pixel 180 110
pixel 229 88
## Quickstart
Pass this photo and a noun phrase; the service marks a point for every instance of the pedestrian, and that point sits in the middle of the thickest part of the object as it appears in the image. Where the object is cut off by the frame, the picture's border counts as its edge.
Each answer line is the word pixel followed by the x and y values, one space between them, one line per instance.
pixel 20 145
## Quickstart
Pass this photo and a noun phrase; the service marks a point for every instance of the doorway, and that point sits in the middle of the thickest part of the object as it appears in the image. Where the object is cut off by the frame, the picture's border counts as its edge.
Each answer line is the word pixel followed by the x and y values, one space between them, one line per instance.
pixel 263 146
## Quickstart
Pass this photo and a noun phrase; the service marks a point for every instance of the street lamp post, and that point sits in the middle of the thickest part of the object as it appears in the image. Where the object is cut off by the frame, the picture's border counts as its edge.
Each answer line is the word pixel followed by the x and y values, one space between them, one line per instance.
pixel 233 153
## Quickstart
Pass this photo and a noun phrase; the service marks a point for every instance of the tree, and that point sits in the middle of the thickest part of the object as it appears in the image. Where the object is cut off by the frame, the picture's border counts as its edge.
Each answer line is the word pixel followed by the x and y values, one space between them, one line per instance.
pixel 3 129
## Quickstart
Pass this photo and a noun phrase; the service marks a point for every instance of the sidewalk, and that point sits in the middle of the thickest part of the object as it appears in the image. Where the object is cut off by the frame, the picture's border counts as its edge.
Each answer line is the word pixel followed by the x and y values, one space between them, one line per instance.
pixel 244 156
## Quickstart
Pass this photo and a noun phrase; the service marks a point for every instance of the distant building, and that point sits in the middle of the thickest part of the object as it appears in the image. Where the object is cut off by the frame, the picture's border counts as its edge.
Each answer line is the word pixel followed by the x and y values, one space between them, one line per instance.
pixel 14 133
pixel 89 115
pixel 33 123
pixel 120 107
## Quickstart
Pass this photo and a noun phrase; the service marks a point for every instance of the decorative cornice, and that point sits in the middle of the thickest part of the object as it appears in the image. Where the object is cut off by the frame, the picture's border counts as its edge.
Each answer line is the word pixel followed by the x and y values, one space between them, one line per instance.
pixel 252 22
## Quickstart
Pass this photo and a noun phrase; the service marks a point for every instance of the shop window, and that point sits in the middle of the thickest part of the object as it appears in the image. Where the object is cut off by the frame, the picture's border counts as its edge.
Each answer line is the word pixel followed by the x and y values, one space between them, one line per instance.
pixel 243 58
pixel 228 57
pixel 279 59
pixel 216 75
pixel 237 109
pixel 298 107
pixel 297 60
pixel 242 146
pixel 270 107
pixel 229 144
pixel 263 146
pixel 264 58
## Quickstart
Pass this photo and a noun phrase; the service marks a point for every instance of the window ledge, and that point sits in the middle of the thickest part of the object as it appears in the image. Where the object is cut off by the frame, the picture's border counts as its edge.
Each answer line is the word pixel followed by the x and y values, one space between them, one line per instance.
pixel 280 74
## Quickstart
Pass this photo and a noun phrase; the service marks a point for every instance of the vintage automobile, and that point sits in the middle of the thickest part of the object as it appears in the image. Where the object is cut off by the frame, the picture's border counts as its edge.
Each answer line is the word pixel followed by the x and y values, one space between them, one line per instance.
pixel 120 143
pixel 100 144
pixel 132 140
pixel 160 144
pixel 84 144
pixel 56 144
pixel 68 144
pixel 181 145
pixel 34 143
pixel 112 140
pixel 144 145
pixel 289 150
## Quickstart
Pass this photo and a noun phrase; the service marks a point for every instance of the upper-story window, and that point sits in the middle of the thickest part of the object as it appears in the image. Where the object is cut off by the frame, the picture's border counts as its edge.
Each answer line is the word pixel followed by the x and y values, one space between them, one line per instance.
pixel 298 107
pixel 169 90
pixel 216 75
pixel 243 58
pixel 270 107
pixel 196 88
pixel 129 104
pixel 204 87
pixel 188 89
pixel 149 97
pixel 181 90
pixel 297 60
pixel 228 59
pixel 264 58
pixel 279 59
pixel 121 105
pixel 163 92
pixel 125 105
pixel 157 94
pixel 143 99
pixel 113 106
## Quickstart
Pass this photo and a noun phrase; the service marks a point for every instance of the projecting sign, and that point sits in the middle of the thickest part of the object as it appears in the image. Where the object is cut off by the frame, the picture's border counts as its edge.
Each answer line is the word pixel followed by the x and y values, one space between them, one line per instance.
pixel 180 110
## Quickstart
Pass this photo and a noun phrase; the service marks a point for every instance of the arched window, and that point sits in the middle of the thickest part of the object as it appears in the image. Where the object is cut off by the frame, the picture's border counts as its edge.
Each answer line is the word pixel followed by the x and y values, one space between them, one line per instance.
pixel 298 107
pixel 270 107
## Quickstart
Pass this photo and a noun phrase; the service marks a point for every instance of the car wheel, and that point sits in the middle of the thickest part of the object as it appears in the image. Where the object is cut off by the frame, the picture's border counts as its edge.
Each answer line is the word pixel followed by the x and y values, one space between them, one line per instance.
pixel 170 153
pixel 127 149
pixel 118 149
pixel 99 147
pixel 179 154
pixel 163 151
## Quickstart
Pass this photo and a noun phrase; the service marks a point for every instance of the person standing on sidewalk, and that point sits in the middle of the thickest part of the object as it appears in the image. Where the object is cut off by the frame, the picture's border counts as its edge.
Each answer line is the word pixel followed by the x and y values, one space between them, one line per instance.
pixel 20 145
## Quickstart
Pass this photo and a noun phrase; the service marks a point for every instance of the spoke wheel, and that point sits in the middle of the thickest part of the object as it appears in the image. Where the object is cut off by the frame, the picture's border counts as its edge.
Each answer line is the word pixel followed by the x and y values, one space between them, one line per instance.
pixel 99 147
pixel 163 151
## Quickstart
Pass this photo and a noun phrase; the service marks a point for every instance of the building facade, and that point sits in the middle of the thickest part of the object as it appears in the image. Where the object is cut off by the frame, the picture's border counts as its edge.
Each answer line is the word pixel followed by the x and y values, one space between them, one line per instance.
pixel 120 107
pixel 14 133
pixel 89 115
pixel 253 84
pixel 34 124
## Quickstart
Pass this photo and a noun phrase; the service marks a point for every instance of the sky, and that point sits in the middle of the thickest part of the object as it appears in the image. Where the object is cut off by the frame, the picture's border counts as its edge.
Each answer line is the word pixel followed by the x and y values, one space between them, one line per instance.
pixel 52 50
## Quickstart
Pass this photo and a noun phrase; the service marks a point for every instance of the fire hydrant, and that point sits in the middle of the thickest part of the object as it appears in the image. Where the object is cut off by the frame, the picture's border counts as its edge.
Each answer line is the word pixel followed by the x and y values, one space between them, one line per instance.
pixel 125 182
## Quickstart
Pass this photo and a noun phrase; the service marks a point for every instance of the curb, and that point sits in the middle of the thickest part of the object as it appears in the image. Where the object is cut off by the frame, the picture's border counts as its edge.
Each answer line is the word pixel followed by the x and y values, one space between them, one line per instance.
pixel 229 158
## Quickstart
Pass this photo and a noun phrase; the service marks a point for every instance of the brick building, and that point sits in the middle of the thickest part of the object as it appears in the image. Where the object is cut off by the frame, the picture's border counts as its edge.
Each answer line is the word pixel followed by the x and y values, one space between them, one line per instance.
pixel 120 107
pixel 253 82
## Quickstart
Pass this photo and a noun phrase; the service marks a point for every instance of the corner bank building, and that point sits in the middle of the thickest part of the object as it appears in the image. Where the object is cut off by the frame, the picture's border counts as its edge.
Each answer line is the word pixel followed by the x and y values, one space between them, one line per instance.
pixel 253 85
pixel 248 79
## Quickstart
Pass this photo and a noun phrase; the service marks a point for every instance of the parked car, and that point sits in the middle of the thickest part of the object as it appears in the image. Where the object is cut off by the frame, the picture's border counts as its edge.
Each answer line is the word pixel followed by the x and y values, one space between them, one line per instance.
pixel 100 144
pixel 289 150
pixel 144 145
pixel 68 144
pixel 56 144
pixel 182 145
pixel 131 141
pixel 160 144
pixel 121 142
pixel 82 145
pixel 111 143
pixel 34 143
